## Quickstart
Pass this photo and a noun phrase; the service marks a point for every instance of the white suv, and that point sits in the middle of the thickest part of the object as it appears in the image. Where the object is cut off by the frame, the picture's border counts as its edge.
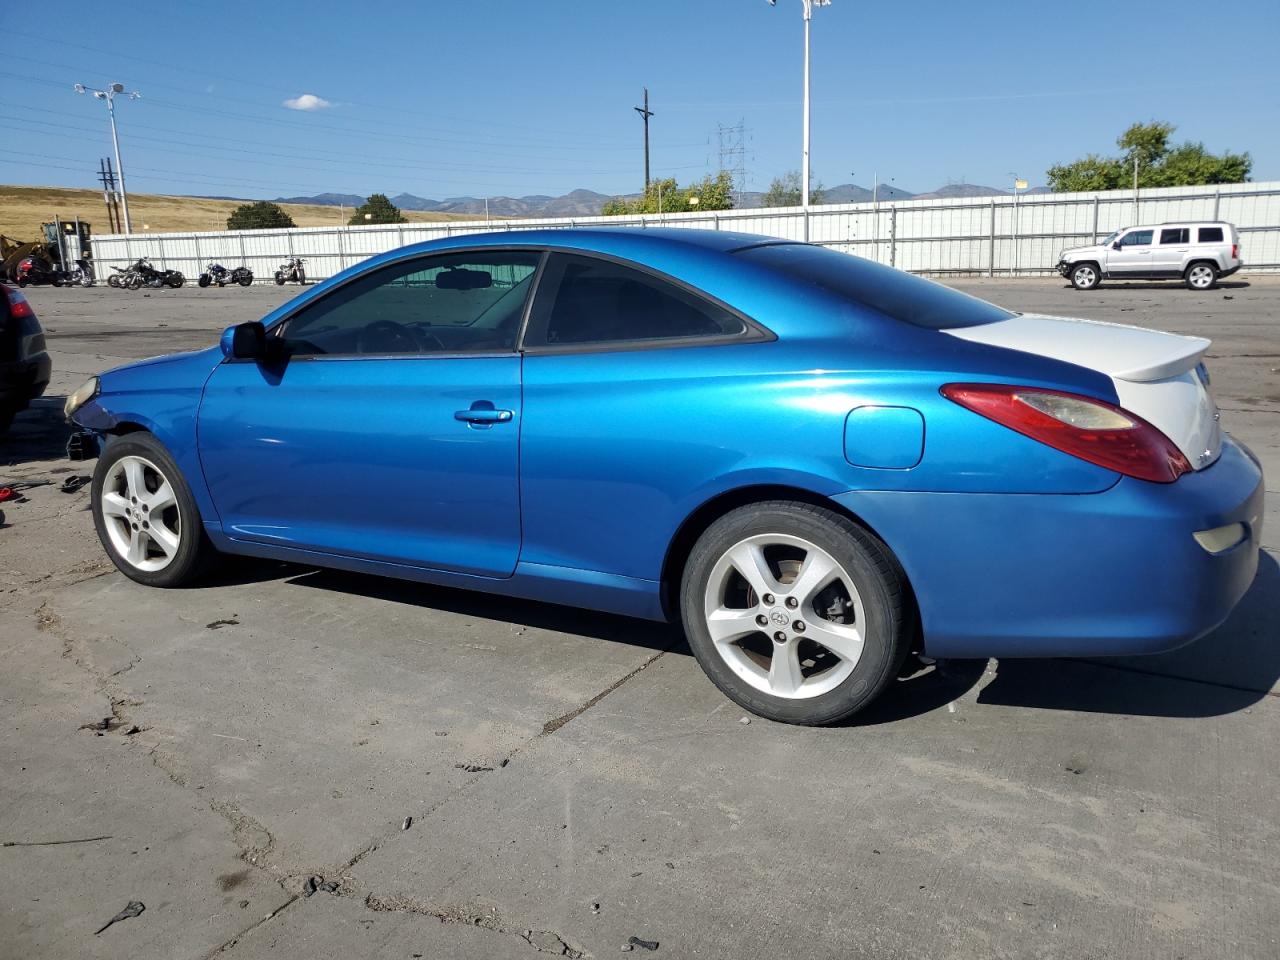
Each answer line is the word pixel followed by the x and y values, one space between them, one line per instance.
pixel 1196 253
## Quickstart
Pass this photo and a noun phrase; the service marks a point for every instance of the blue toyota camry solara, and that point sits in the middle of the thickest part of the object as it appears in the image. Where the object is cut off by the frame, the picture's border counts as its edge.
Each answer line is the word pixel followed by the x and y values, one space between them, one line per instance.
pixel 821 465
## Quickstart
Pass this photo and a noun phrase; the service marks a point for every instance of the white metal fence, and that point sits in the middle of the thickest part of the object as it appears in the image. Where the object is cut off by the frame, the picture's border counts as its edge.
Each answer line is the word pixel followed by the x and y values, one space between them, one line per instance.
pixel 994 236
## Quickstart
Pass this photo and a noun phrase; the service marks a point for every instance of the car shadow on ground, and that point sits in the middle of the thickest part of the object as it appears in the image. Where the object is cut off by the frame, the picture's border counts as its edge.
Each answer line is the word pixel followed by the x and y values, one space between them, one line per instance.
pixel 1158 285
pixel 1229 670
pixel 37 433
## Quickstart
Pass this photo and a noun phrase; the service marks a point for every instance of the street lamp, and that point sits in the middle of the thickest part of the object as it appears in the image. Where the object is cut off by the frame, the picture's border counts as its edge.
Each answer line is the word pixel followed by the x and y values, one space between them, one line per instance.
pixel 109 95
pixel 804 169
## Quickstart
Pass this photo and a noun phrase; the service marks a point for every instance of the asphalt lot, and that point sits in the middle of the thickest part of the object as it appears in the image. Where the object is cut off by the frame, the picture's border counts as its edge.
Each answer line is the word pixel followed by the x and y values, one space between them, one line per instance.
pixel 572 779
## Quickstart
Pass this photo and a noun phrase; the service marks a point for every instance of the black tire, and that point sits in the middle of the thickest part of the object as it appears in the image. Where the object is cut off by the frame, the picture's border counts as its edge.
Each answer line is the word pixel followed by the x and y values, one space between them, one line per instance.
pixel 22 281
pixel 1201 275
pixel 1085 276
pixel 194 553
pixel 176 280
pixel 113 280
pixel 874 573
pixel 302 277
pixel 279 279
pixel 204 280
pixel 246 279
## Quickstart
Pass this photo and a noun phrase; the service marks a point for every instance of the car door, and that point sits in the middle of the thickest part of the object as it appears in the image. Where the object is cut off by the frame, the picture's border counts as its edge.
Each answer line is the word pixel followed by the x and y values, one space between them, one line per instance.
pixel 386 424
pixel 1170 254
pixel 1130 255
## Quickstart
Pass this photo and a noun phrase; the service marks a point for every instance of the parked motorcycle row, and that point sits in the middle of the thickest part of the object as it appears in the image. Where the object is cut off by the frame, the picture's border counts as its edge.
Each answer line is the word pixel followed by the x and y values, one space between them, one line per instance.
pixel 142 273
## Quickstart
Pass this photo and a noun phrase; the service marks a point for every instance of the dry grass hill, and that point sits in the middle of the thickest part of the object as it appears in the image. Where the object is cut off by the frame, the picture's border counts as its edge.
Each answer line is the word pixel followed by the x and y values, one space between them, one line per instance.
pixel 23 209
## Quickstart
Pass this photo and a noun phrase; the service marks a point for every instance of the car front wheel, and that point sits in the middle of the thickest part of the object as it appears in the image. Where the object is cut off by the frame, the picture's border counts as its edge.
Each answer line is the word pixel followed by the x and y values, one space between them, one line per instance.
pixel 795 612
pixel 1085 276
pixel 145 515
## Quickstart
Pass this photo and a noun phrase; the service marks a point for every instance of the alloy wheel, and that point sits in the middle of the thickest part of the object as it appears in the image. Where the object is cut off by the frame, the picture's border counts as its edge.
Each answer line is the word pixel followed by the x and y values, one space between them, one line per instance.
pixel 785 616
pixel 1200 276
pixel 140 512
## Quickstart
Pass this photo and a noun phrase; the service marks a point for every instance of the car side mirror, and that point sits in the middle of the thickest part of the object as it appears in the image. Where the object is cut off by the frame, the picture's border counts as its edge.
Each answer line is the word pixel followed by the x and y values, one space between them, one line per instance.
pixel 245 341
pixel 1116 245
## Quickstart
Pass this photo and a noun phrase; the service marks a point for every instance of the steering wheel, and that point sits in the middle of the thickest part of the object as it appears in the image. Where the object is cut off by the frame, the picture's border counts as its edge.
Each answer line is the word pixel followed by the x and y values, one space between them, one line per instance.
pixel 387 336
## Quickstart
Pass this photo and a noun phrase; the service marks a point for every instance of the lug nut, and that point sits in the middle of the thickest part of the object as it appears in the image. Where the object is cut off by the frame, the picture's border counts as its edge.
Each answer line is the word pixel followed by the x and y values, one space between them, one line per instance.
pixel 768 598
pixel 792 602
pixel 780 637
pixel 798 626
pixel 762 620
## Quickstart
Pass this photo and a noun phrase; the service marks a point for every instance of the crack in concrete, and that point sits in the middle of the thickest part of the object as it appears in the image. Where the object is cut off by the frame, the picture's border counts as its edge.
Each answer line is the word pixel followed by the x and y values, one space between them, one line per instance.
pixel 551 726
pixel 544 941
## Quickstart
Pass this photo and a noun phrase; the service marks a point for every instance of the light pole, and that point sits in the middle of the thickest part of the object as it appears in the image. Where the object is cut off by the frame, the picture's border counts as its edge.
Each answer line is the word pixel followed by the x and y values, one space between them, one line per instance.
pixel 109 95
pixel 1018 184
pixel 804 168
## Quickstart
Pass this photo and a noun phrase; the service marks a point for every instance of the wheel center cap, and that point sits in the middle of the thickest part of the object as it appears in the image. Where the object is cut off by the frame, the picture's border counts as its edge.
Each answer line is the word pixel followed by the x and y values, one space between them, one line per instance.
pixel 779 618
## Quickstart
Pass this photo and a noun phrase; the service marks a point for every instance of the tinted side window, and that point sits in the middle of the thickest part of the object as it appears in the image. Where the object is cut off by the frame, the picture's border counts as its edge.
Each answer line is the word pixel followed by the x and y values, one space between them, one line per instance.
pixel 1210 234
pixel 1136 238
pixel 1175 235
pixel 456 303
pixel 590 301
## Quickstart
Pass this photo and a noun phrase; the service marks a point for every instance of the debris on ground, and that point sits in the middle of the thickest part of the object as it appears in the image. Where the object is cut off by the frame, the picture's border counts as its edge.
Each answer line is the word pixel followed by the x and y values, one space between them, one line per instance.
pixel 51 843
pixel 329 886
pixel 745 720
pixel 473 768
pixel 310 885
pixel 408 822
pixel 219 624
pixel 132 730
pixel 75 482
pixel 134 908
pixel 633 942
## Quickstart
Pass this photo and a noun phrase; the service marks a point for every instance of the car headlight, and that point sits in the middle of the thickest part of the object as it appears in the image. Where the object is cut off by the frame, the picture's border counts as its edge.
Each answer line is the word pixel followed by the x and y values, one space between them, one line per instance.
pixel 80 396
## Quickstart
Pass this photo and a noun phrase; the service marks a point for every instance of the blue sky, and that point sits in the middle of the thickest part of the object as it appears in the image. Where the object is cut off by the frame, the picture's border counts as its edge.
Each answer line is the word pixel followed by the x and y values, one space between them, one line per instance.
pixel 534 96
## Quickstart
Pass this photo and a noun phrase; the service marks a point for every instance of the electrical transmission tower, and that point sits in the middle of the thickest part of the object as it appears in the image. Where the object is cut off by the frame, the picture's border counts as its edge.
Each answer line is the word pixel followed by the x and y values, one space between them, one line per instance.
pixel 733 156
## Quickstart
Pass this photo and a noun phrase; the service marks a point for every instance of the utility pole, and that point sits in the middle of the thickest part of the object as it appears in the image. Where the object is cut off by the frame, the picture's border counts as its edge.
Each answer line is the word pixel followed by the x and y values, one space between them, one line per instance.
pixel 108 182
pixel 645 114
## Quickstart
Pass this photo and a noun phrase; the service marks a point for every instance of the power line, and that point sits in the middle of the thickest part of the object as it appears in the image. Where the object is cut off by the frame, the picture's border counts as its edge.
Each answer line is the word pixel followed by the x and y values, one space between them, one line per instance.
pixel 733 156
pixel 645 114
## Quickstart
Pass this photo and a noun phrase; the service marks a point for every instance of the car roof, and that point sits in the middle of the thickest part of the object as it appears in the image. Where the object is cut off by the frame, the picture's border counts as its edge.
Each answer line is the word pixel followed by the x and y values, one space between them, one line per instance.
pixel 604 239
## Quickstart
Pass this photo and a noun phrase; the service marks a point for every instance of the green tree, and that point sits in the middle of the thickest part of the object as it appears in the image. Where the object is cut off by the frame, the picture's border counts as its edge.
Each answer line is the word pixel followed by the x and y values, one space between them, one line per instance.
pixel 667 196
pixel 263 215
pixel 1159 163
pixel 785 191
pixel 377 209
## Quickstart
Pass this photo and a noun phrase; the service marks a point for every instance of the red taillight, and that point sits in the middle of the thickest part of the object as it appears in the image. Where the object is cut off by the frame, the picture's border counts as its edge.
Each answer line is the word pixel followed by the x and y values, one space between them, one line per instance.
pixel 1235 251
pixel 1090 429
pixel 18 306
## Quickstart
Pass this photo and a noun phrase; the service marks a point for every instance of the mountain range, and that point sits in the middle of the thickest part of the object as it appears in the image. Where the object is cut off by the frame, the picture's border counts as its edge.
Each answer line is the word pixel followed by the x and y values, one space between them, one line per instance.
pixel 588 203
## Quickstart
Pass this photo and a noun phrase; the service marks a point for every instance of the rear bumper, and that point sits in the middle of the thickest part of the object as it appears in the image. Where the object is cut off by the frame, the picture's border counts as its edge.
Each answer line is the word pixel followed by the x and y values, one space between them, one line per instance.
pixel 23 380
pixel 1112 573
pixel 1230 270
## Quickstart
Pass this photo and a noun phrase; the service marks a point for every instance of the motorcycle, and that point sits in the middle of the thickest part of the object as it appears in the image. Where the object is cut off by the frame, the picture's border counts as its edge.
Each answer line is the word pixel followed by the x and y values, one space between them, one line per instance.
pixel 33 270
pixel 291 271
pixel 217 273
pixel 142 273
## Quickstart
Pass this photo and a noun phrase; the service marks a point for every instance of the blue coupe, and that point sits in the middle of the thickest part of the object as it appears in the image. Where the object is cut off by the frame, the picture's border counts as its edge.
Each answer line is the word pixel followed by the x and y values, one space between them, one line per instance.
pixel 821 465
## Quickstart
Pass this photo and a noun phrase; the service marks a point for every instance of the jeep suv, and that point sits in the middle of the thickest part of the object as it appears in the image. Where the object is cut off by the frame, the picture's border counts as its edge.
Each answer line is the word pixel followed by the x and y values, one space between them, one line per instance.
pixel 1196 253
pixel 24 362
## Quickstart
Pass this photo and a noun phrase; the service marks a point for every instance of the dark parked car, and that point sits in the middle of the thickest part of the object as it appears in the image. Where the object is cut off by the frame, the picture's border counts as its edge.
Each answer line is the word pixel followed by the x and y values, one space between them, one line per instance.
pixel 24 364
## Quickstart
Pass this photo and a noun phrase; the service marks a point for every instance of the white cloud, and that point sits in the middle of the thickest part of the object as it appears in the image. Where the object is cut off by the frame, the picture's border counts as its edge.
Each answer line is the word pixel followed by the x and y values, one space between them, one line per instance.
pixel 307 101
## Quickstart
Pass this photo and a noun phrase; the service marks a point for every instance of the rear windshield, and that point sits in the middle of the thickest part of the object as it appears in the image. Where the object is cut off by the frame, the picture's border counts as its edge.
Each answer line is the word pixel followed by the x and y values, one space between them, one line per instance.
pixel 891 292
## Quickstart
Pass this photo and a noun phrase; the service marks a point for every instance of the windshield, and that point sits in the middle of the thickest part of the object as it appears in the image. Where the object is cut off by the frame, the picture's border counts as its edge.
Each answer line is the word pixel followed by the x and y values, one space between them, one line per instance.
pixel 894 293
pixel 1111 239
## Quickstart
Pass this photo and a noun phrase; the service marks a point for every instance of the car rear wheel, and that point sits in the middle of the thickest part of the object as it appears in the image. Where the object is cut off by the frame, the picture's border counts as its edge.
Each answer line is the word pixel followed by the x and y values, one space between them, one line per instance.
pixel 1085 276
pixel 145 515
pixel 795 612
pixel 1201 276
